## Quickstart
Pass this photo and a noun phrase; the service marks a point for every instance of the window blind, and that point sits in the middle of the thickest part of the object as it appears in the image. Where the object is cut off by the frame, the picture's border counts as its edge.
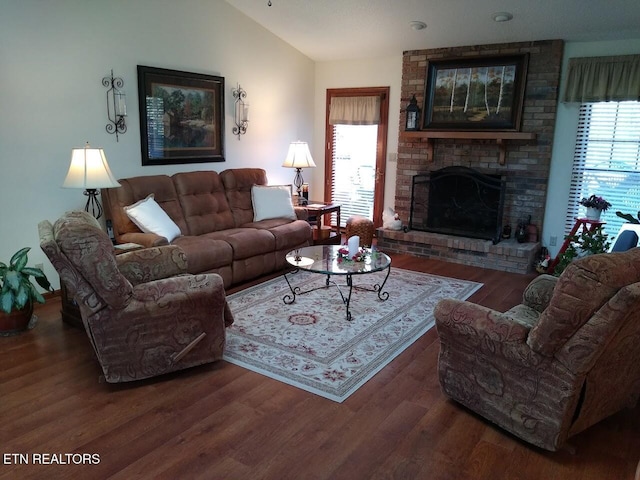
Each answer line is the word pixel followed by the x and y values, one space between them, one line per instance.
pixel 606 161
pixel 353 170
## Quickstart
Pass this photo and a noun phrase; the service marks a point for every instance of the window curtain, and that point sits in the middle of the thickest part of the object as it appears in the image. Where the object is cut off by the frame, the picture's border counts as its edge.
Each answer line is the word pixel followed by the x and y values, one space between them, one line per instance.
pixel 354 111
pixel 603 79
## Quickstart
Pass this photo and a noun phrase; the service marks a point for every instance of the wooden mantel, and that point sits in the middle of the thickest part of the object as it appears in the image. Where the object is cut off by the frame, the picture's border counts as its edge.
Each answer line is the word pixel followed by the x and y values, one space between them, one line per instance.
pixel 499 137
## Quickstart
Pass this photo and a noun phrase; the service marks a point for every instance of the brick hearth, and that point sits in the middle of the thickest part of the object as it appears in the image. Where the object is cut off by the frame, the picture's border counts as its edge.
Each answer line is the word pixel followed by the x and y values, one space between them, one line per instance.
pixel 526 166
pixel 506 256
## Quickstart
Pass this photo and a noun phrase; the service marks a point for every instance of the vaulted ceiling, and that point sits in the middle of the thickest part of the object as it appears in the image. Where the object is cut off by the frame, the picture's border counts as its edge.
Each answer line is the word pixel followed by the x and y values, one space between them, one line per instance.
pixel 327 30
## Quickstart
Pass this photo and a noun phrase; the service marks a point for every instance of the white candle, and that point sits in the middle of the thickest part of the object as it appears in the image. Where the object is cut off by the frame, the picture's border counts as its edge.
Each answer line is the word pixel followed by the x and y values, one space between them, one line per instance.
pixel 354 245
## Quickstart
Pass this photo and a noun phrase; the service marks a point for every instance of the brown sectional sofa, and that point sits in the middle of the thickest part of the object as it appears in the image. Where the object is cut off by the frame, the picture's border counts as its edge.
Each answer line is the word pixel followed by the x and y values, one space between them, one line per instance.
pixel 215 215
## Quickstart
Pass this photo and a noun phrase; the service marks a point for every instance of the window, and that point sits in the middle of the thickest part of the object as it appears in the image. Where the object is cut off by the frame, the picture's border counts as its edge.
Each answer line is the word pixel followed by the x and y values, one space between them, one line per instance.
pixel 353 169
pixel 356 150
pixel 606 161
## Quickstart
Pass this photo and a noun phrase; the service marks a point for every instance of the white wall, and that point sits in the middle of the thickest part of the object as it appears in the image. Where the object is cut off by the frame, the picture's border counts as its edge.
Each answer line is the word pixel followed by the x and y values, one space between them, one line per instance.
pixel 53 56
pixel 565 138
pixel 376 72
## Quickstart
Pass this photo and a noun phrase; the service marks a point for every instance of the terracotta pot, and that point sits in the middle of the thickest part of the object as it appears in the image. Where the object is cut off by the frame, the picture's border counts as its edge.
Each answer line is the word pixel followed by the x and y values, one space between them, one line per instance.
pixel 17 321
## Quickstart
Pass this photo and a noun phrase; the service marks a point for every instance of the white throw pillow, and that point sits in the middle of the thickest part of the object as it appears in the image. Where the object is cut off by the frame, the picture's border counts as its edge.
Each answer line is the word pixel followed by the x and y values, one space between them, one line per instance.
pixel 151 218
pixel 272 202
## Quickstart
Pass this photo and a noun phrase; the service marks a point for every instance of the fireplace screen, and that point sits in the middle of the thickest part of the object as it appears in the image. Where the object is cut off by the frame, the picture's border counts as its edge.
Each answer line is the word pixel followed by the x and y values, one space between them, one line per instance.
pixel 458 201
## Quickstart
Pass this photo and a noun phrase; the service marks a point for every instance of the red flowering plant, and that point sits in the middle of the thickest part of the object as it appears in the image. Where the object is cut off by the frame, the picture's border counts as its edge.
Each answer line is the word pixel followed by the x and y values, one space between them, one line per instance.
pixel 343 255
pixel 595 201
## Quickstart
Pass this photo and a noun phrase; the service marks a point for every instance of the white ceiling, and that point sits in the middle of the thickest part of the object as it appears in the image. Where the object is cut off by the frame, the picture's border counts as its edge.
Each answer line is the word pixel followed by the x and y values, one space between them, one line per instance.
pixel 326 30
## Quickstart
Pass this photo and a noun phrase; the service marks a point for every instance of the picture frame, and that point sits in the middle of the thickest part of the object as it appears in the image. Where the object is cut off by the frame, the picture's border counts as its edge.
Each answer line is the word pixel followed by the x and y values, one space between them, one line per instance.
pixel 181 116
pixel 484 93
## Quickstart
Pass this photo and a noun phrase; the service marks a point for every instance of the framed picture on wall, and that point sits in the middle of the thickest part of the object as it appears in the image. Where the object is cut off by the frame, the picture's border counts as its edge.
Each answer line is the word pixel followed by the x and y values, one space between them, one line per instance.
pixel 181 116
pixel 485 93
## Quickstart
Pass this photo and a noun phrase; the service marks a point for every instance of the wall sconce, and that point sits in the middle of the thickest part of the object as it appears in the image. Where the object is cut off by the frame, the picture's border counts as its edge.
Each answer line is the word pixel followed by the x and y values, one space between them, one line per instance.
pixel 413 115
pixel 89 170
pixel 116 105
pixel 241 112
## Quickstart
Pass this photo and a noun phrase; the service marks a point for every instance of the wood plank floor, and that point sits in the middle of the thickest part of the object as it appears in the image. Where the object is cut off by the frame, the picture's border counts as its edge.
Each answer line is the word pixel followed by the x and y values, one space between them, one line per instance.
pixel 224 422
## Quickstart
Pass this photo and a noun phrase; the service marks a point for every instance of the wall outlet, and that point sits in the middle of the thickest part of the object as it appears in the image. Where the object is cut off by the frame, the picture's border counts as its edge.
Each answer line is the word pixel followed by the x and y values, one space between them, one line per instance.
pixel 553 241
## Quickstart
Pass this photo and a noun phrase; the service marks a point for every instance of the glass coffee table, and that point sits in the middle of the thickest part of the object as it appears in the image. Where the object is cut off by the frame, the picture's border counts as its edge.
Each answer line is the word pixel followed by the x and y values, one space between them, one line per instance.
pixel 326 260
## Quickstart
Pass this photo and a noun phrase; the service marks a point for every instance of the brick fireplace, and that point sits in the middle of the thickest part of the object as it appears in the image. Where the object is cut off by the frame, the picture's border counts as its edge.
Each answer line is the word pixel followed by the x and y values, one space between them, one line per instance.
pixel 525 168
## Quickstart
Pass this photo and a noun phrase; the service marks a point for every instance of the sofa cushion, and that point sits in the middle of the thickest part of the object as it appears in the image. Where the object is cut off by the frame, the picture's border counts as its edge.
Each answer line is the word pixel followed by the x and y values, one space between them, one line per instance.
pixel 237 184
pixel 271 202
pixel 150 218
pixel 288 235
pixel 137 188
pixel 245 242
pixel 204 254
pixel 203 200
pixel 584 286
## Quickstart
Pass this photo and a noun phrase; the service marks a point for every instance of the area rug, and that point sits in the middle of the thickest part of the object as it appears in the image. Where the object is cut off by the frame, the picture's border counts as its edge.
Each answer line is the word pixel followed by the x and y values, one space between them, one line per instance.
pixel 309 344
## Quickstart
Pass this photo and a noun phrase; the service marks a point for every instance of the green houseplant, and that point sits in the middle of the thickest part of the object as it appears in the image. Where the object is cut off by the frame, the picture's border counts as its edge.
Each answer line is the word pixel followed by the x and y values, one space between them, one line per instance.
pixel 17 292
pixel 588 242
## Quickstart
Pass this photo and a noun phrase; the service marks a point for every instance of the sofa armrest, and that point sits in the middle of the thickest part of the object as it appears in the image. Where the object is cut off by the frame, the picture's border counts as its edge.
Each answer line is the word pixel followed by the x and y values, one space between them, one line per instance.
pixel 460 318
pixel 148 264
pixel 468 327
pixel 538 293
pixel 301 213
pixel 144 239
pixel 169 324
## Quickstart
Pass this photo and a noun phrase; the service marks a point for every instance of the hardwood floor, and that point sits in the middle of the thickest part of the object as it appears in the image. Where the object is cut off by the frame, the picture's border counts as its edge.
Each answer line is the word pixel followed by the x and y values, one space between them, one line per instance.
pixel 221 421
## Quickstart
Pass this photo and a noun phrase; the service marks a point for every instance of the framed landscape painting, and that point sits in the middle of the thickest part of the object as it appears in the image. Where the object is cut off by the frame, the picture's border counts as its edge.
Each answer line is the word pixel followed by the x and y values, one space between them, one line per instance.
pixel 181 116
pixel 484 93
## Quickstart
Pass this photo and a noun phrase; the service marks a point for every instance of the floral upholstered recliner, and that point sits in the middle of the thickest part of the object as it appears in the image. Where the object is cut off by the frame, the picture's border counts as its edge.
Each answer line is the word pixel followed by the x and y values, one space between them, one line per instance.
pixel 566 358
pixel 143 315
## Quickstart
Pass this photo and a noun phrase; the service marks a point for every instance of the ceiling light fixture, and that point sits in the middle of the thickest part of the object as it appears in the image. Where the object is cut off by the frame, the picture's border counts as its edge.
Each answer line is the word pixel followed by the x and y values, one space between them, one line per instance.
pixel 417 25
pixel 501 16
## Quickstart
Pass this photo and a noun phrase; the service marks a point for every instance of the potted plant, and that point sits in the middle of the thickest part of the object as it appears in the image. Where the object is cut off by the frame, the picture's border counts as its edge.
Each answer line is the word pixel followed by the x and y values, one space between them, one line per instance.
pixel 595 206
pixel 17 293
pixel 588 242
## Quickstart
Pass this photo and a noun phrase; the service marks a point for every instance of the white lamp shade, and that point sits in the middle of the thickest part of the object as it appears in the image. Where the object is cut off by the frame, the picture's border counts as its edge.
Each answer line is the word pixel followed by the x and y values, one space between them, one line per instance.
pixel 89 169
pixel 299 156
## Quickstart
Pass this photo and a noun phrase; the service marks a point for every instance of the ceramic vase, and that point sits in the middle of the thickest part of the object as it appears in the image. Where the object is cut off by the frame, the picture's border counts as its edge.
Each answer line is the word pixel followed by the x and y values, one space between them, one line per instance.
pixel 593 214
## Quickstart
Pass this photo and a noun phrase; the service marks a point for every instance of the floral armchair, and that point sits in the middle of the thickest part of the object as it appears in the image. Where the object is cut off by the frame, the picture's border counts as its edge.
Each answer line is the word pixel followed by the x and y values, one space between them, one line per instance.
pixel 566 358
pixel 144 316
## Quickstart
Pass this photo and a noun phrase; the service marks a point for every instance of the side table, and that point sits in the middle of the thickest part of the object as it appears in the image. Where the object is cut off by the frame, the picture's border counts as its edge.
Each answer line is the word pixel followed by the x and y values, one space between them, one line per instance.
pixel 319 210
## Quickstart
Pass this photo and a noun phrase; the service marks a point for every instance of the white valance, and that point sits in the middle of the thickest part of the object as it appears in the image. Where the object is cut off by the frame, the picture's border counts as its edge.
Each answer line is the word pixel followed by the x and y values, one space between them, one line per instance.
pixel 603 79
pixel 354 111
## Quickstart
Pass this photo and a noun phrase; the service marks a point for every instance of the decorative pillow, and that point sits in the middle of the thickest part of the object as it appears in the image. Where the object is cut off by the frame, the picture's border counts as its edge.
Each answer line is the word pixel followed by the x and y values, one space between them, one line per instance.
pixel 151 218
pixel 272 202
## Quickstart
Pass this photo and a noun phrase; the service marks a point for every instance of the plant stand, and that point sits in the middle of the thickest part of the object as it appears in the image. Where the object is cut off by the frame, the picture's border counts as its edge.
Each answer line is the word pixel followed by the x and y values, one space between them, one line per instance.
pixel 586 224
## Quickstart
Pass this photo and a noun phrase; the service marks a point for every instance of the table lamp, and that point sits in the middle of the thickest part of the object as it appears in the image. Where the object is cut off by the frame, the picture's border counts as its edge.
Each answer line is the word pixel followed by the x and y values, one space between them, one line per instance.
pixel 299 157
pixel 89 170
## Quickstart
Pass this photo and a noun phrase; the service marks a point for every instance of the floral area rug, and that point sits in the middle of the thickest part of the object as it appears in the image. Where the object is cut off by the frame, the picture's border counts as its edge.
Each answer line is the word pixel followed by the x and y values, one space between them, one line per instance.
pixel 309 344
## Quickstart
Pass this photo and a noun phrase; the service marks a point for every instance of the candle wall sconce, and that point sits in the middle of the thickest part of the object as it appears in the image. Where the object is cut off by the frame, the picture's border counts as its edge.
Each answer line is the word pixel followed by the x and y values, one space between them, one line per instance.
pixel 116 105
pixel 241 111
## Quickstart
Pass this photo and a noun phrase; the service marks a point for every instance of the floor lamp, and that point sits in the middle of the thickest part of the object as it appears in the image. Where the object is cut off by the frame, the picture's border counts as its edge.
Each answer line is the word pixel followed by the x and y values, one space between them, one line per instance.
pixel 89 170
